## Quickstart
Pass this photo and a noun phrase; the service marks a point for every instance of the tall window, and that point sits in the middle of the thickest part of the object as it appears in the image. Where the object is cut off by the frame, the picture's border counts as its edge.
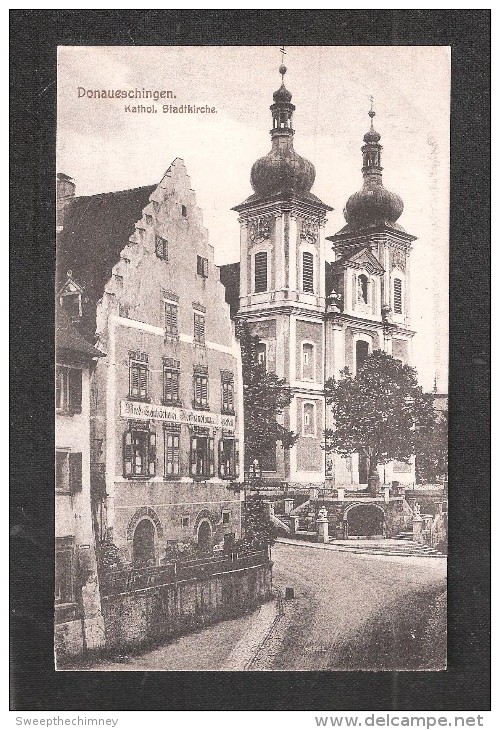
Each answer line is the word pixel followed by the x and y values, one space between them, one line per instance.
pixel 161 248
pixel 138 380
pixel 363 289
pixel 362 348
pixel 200 390
pixel 398 296
pixel 171 318
pixel 308 272
pixel 260 271
pixel 139 452
pixel 309 422
pixel 199 328
pixel 227 387
pixel 172 452
pixel 202 456
pixel 262 354
pixel 228 458
pixel 307 361
pixel 68 472
pixel 202 266
pixel 171 376
pixel 68 389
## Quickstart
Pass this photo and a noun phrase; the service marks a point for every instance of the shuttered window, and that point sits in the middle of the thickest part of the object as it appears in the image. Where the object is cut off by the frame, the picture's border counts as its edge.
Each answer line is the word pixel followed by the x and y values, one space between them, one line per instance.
pixel 68 389
pixel 202 266
pixel 308 272
pixel 200 391
pixel 228 458
pixel 170 386
pixel 139 453
pixel 171 319
pixel 199 328
pixel 161 248
pixel 138 380
pixel 75 472
pixel 202 456
pixel 260 271
pixel 398 298
pixel 172 453
pixel 227 395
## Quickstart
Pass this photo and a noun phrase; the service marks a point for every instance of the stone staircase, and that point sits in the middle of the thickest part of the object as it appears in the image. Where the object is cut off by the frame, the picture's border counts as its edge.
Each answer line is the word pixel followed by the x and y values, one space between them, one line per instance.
pixel 400 546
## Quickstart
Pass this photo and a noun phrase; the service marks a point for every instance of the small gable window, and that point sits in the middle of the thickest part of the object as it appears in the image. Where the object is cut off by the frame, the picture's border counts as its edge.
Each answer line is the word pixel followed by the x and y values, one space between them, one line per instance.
pixel 202 266
pixel 161 248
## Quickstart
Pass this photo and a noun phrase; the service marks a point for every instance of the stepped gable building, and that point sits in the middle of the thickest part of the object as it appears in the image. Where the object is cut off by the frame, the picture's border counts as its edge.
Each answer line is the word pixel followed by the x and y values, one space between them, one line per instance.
pixel 78 619
pixel 314 317
pixel 167 397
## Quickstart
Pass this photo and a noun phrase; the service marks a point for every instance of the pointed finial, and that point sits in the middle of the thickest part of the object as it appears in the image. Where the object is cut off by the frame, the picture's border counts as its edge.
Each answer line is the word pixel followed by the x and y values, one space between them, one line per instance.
pixel 282 68
pixel 371 113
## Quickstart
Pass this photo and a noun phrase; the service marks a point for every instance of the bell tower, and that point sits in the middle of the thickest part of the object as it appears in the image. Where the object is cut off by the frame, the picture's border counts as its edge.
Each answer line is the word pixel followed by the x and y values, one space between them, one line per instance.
pixel 282 288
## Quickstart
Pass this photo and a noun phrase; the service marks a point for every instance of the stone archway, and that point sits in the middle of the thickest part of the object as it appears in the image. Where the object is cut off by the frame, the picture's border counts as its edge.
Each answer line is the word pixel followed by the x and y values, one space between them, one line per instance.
pixel 143 544
pixel 364 520
pixel 205 536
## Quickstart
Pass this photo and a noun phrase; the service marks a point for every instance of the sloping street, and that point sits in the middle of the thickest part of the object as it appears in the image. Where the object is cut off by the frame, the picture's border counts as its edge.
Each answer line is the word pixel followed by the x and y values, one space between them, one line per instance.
pixel 349 612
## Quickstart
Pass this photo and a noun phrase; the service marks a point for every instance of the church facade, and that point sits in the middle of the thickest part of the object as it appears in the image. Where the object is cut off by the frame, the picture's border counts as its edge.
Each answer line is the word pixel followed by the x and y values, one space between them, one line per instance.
pixel 314 317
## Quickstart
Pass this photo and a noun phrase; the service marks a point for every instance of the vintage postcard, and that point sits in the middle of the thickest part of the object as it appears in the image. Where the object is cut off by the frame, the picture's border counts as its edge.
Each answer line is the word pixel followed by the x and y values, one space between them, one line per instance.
pixel 252 358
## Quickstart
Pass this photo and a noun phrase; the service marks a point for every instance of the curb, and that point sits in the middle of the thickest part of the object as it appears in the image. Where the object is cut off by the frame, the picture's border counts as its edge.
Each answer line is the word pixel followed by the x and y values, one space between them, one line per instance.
pixel 353 550
pixel 247 648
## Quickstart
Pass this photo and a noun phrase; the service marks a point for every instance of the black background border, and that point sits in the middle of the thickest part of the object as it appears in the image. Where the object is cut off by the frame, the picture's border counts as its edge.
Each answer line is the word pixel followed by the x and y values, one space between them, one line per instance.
pixel 35 685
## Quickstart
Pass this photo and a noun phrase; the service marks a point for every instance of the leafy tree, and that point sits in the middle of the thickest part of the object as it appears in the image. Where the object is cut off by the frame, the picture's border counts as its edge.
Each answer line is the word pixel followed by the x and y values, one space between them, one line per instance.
pixel 381 412
pixel 432 454
pixel 259 530
pixel 264 398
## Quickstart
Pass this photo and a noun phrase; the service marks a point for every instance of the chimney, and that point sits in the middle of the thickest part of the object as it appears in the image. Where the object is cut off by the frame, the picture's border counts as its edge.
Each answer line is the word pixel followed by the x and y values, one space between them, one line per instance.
pixel 65 192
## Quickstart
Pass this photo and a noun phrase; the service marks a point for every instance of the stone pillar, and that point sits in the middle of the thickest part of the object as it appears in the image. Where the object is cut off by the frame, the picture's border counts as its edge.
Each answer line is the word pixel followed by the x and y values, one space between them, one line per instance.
pixel 322 526
pixel 340 494
pixel 387 493
pixel 313 492
pixel 417 529
pixel 288 505
pixel 294 524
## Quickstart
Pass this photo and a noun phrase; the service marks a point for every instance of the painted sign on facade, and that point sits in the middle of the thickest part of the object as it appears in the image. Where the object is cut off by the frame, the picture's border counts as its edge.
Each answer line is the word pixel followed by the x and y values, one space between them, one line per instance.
pixel 150 411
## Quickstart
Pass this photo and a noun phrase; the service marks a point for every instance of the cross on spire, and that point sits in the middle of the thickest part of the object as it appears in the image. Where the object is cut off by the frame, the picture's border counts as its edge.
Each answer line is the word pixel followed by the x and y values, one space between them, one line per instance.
pixel 283 54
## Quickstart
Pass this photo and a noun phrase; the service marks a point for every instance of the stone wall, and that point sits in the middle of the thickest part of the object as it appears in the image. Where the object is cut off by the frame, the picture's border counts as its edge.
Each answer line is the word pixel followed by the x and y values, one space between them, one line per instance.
pixel 156 614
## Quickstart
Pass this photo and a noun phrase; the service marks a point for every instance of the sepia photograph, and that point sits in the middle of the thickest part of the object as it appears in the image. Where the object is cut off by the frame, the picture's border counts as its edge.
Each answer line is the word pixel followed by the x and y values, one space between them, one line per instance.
pixel 251 311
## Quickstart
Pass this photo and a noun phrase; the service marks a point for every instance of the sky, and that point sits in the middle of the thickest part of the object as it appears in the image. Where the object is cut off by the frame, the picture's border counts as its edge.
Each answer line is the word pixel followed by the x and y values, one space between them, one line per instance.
pixel 104 148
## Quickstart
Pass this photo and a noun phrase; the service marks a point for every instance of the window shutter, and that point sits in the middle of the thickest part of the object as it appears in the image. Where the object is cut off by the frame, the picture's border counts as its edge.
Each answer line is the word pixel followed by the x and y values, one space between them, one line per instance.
pixel 398 300
pixel 134 380
pixel 260 271
pixel 222 465
pixel 127 454
pixel 143 382
pixel 308 271
pixel 152 453
pixel 175 387
pixel 204 391
pixel 75 390
pixel 205 268
pixel 193 455
pixel 236 458
pixel 173 311
pixel 211 455
pixel 75 472
pixel 230 388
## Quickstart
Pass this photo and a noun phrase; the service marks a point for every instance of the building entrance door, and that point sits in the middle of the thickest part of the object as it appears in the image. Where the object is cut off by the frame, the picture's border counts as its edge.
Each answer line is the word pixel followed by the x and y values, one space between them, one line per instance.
pixel 204 536
pixel 144 544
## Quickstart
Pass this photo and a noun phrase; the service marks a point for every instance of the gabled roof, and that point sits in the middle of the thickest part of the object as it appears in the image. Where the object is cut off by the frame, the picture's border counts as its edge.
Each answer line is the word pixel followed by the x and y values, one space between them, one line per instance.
pixel 70 341
pixel 96 229
pixel 360 258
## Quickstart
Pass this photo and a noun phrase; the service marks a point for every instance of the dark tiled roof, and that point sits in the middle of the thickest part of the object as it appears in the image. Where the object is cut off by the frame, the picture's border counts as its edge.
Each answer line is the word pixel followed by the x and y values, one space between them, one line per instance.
pixel 96 228
pixel 70 340
pixel 302 196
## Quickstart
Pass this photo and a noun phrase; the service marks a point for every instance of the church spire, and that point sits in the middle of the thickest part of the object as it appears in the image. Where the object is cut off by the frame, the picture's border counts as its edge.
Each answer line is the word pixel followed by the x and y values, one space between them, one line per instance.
pixel 372 148
pixel 282 110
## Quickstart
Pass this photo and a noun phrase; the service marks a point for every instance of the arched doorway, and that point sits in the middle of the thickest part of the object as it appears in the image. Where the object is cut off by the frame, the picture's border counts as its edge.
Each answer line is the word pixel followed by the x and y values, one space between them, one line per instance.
pixel 144 544
pixel 204 536
pixel 365 520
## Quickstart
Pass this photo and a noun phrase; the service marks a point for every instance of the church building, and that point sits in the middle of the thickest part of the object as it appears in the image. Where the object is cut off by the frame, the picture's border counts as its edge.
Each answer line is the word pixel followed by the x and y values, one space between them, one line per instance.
pixel 314 317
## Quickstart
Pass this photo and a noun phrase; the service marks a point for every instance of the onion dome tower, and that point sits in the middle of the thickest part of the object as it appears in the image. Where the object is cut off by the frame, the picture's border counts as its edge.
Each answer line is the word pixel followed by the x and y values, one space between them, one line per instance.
pixel 282 288
pixel 373 204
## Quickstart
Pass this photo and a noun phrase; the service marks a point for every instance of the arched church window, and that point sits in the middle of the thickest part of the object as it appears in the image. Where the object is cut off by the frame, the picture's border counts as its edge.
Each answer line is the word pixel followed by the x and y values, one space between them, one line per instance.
pixel 308 272
pixel 363 289
pixel 398 296
pixel 260 279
